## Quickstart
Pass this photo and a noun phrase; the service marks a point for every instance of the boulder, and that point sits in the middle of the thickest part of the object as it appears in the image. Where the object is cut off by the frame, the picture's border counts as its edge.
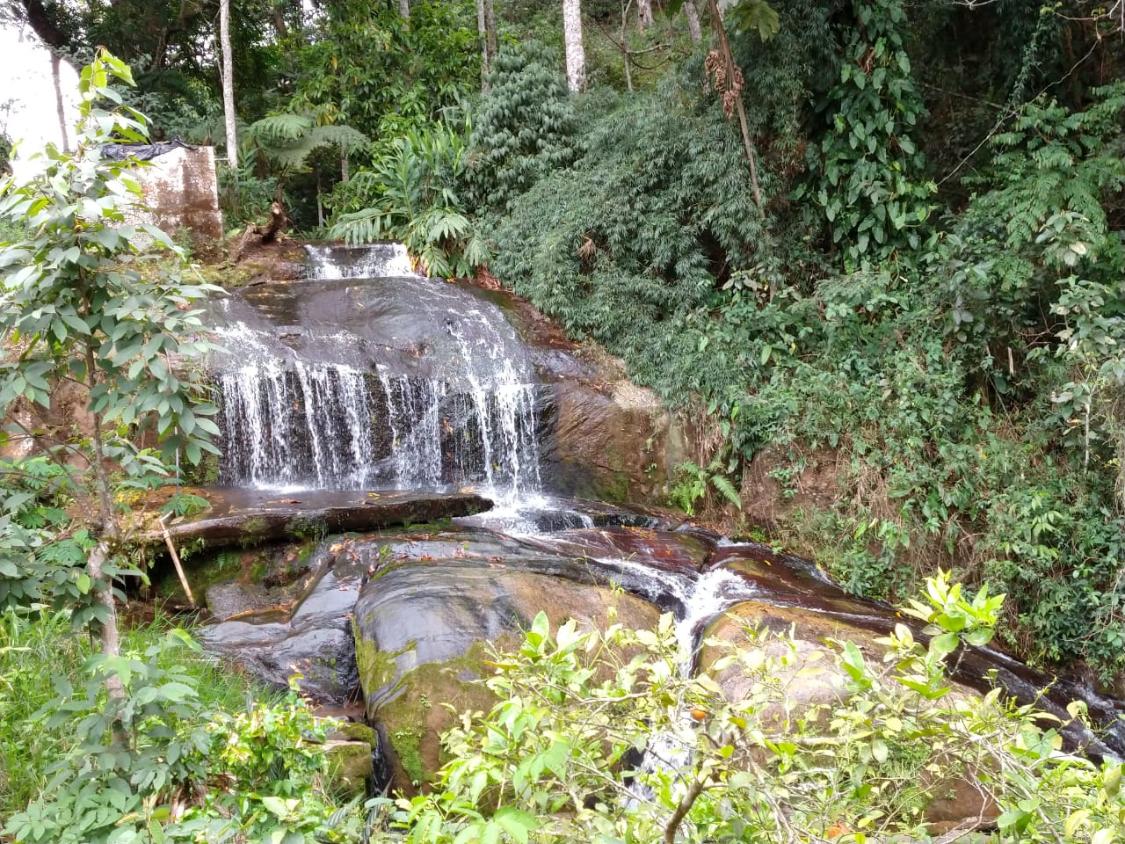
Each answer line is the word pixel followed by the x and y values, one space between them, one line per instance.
pixel 310 637
pixel 811 678
pixel 421 639
pixel 351 749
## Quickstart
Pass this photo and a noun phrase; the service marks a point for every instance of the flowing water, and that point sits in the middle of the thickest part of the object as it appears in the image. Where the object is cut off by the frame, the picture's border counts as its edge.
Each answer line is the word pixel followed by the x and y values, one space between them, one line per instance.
pixel 366 376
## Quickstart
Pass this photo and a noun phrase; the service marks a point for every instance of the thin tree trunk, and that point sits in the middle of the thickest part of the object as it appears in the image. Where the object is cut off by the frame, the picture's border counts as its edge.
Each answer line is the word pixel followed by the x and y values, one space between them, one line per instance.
pixel 692 14
pixel 623 40
pixel 490 32
pixel 485 55
pixel 60 106
pixel 228 85
pixel 404 8
pixel 107 534
pixel 644 13
pixel 575 52
pixel 739 106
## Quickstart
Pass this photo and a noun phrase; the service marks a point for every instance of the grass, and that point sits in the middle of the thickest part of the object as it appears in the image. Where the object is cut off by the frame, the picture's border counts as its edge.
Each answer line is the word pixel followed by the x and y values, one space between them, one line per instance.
pixel 40 649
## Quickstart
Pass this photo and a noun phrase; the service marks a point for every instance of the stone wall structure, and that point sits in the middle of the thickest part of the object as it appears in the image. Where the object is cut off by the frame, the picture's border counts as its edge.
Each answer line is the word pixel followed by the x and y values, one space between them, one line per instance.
pixel 181 193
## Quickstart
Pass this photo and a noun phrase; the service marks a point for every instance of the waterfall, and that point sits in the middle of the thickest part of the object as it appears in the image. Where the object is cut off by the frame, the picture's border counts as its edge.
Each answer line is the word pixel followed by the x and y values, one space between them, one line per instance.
pixel 380 260
pixel 316 394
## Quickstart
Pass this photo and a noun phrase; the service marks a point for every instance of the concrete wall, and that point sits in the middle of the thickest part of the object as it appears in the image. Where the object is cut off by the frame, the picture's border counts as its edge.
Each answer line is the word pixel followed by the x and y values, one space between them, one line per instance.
pixel 181 192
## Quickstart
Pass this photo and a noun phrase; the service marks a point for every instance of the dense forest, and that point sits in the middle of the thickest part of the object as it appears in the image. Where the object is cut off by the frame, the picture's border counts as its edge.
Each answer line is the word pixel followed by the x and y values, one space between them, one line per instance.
pixel 871 252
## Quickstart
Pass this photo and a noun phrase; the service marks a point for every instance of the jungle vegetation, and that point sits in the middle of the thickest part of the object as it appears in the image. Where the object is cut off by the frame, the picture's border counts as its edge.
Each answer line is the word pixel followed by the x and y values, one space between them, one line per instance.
pixel 880 235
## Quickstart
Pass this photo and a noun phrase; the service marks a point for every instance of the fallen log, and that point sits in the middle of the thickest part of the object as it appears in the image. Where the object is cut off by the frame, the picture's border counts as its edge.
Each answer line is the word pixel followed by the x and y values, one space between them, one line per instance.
pixel 253 522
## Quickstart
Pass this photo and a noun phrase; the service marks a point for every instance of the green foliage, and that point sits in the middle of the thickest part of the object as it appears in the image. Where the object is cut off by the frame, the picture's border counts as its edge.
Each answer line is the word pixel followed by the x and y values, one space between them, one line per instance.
pixel 693 483
pixel 186 504
pixel 41 560
pixel 192 729
pixel 284 142
pixel 524 127
pixel 629 235
pixel 371 69
pixel 411 193
pixel 870 168
pixel 555 759
pixel 76 297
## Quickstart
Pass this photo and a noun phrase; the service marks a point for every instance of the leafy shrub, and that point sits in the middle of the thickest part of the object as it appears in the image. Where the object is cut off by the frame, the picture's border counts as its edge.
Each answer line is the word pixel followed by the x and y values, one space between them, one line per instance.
pixel 556 759
pixel 629 236
pixel 972 386
pixel 693 483
pixel 201 760
pixel 524 127
pixel 870 167
pixel 411 193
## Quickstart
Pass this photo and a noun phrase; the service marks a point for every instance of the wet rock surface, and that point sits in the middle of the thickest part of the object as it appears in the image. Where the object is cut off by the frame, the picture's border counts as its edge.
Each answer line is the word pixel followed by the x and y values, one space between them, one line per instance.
pixel 299 629
pixel 241 517
pixel 422 632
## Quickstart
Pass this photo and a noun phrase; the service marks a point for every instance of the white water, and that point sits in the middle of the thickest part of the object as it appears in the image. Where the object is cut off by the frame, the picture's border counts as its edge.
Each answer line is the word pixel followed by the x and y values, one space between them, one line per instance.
pixel 381 260
pixel 699 597
pixel 289 423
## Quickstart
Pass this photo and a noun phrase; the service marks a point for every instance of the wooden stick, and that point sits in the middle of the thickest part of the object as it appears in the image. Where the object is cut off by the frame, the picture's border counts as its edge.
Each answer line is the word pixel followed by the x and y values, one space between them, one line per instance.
pixel 176 559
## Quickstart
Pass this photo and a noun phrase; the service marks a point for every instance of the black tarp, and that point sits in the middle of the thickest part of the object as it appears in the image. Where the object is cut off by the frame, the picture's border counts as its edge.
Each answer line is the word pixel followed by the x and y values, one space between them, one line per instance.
pixel 143 152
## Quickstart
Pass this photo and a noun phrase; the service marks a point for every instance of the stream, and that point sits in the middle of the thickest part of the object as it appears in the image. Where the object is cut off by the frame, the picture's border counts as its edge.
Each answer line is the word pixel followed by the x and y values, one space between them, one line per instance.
pixel 365 378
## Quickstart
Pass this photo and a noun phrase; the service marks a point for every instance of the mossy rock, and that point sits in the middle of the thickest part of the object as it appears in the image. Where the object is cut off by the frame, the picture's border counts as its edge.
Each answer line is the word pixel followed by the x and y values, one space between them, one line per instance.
pixel 421 642
pixel 350 765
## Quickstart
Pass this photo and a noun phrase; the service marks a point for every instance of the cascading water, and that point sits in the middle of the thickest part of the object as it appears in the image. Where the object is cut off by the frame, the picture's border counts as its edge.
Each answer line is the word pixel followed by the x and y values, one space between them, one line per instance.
pixel 380 260
pixel 352 381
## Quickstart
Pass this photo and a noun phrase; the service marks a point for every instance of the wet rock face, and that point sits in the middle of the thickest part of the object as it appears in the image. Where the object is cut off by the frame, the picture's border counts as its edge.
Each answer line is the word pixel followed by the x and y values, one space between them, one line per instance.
pixel 612 442
pixel 422 633
pixel 310 636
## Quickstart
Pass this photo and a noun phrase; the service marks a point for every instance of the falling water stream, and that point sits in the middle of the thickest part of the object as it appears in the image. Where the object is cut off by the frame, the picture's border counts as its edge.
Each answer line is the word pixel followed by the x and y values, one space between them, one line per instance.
pixel 413 414
pixel 367 376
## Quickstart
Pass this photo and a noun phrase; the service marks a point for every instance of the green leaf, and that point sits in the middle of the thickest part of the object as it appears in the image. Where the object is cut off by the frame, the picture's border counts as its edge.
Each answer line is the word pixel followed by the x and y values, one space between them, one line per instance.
pixel 517 823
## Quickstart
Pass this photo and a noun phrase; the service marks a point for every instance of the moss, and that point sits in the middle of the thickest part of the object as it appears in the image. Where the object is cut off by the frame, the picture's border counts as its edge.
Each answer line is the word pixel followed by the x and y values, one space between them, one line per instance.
pixel 349 766
pixel 408 749
pixel 202 573
pixel 354 731
pixel 376 668
pixel 307 528
pixel 412 721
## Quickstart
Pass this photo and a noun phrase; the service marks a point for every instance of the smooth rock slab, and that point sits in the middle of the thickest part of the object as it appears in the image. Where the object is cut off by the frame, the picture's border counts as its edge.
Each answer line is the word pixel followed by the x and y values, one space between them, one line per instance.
pixel 421 634
pixel 315 641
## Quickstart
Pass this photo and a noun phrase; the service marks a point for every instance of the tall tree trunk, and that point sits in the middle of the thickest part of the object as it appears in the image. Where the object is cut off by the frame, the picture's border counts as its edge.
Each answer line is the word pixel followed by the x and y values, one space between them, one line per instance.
pixel 491 38
pixel 575 52
pixel 734 87
pixel 107 537
pixel 692 14
pixel 404 8
pixel 485 52
pixel 60 105
pixel 228 85
pixel 644 13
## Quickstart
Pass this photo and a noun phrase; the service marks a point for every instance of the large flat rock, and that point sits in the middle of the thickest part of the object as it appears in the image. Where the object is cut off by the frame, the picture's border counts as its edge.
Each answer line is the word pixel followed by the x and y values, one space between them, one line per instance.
pixel 422 635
